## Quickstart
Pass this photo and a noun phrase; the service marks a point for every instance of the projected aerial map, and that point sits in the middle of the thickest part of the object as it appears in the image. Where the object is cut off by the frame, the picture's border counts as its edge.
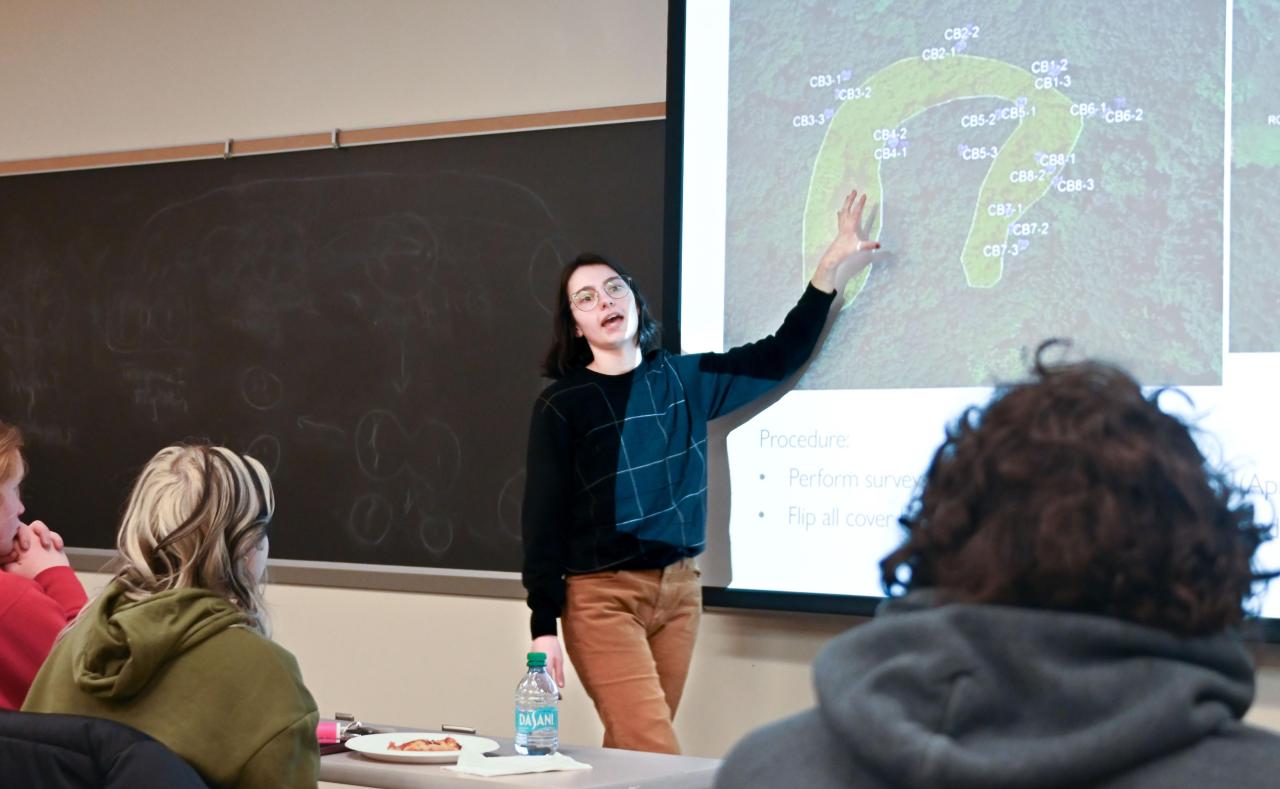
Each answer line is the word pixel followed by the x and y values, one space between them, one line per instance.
pixel 1255 184
pixel 1033 169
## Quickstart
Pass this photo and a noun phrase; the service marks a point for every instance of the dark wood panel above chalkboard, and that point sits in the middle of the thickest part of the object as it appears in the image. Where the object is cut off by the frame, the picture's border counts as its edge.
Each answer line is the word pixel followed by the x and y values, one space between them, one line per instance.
pixel 368 322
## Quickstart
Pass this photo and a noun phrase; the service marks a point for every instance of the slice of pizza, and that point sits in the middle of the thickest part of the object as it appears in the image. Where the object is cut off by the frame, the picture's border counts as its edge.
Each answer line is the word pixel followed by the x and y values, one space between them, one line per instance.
pixel 422 745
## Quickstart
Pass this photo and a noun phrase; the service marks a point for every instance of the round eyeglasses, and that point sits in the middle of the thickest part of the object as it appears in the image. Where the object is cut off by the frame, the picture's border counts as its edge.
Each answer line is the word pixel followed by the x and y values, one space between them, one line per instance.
pixel 588 299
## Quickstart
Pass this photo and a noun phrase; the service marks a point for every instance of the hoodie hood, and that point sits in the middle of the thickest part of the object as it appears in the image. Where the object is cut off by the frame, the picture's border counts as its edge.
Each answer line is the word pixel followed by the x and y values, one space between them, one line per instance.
pixel 995 696
pixel 120 644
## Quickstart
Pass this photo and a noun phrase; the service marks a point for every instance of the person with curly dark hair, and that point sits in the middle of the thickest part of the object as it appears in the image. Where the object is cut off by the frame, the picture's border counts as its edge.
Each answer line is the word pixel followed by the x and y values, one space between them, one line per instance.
pixel 1064 611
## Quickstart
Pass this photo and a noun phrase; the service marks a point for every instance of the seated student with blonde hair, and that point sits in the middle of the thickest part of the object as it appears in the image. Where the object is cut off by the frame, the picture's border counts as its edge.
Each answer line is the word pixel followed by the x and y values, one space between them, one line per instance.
pixel 39 592
pixel 1064 611
pixel 176 646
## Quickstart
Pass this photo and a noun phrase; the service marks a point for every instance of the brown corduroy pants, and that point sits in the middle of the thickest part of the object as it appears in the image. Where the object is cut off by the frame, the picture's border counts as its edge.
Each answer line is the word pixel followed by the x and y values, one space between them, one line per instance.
pixel 630 635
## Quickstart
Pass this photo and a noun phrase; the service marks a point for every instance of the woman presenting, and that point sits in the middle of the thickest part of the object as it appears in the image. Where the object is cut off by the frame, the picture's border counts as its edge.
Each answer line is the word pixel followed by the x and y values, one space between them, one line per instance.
pixel 615 499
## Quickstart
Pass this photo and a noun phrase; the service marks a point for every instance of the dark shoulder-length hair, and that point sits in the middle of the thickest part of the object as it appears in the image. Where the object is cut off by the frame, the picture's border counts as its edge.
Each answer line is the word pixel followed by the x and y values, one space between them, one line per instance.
pixel 568 351
pixel 1073 491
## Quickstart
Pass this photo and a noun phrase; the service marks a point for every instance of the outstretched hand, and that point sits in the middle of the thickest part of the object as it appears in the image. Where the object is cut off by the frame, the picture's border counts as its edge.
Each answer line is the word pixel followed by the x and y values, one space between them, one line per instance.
pixel 849 241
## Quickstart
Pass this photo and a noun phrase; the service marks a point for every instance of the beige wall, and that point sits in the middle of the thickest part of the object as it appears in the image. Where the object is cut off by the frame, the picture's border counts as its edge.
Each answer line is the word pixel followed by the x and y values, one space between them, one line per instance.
pixel 427 660
pixel 85 75
pixel 79 76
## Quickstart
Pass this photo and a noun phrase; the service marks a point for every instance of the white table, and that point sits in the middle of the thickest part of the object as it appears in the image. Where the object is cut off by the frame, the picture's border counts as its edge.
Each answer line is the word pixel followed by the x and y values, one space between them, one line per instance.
pixel 613 769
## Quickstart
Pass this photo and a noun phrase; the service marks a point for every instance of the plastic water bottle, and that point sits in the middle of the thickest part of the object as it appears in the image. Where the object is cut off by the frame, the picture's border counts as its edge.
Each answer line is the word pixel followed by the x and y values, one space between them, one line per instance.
pixel 537 709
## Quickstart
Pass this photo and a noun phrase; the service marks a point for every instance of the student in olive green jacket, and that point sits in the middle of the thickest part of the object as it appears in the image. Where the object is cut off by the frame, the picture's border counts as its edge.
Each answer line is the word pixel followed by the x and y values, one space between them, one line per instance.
pixel 177 644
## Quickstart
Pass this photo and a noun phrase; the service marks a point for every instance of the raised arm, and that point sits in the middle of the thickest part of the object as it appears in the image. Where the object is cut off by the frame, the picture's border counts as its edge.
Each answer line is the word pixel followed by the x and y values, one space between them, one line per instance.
pixel 728 380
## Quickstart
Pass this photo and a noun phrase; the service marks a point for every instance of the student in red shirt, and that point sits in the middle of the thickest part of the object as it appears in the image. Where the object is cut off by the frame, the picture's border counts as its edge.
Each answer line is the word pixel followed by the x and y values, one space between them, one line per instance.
pixel 39 592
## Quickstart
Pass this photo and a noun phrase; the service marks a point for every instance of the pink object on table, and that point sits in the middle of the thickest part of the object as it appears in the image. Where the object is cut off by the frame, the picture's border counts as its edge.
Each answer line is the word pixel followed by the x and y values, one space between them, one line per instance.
pixel 329 732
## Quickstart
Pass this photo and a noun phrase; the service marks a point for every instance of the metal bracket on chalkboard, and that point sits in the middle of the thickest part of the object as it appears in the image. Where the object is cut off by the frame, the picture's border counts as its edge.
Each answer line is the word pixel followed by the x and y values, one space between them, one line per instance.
pixel 333 139
pixel 226 149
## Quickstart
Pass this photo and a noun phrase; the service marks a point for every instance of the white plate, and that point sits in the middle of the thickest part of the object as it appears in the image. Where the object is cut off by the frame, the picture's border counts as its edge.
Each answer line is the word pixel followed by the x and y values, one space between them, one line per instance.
pixel 375 746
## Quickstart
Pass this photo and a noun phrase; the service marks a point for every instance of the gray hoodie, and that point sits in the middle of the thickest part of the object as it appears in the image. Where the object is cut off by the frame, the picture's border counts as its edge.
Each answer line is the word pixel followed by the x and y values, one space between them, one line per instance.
pixel 993 696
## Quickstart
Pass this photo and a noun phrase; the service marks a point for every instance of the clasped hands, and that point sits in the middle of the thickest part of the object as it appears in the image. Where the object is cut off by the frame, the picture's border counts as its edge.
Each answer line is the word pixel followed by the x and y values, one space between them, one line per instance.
pixel 35 549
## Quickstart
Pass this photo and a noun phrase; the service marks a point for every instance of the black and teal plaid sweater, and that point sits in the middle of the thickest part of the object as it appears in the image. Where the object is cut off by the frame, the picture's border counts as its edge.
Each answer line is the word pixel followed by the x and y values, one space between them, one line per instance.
pixel 617 471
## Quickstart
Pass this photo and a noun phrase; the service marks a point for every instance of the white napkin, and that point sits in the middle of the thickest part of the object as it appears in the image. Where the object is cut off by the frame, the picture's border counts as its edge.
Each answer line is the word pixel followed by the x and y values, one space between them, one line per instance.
pixel 475 763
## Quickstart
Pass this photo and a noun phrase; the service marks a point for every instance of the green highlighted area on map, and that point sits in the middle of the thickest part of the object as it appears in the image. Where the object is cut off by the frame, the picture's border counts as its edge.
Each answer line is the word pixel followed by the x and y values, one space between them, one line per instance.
pixel 872 127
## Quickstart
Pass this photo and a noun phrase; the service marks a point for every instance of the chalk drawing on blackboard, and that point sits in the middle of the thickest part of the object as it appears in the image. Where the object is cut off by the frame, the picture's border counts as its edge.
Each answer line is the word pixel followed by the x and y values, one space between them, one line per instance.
pixel 509 503
pixel 435 534
pixel 29 383
pixel 257 267
pixel 34 307
pixel 356 299
pixel 370 518
pixel 199 271
pixel 267 249
pixel 266 450
pixel 135 323
pixel 260 388
pixel 384 448
pixel 437 453
pixel 478 301
pixel 305 422
pixel 379 437
pixel 126 323
pixel 273 250
pixel 26 389
pixel 170 323
pixel 549 256
pixel 158 392
pixel 401 382
pixel 403 259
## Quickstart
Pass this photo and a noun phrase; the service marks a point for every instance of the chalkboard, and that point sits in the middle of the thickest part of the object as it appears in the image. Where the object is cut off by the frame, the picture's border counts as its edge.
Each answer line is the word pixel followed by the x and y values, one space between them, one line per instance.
pixel 368 322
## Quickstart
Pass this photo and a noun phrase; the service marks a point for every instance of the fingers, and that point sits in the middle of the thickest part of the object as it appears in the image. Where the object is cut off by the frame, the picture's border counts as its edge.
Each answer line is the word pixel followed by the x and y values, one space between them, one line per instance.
pixel 557 670
pixel 852 209
pixel 857 211
pixel 557 664
pixel 848 201
pixel 48 538
pixel 550 646
pixel 867 246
